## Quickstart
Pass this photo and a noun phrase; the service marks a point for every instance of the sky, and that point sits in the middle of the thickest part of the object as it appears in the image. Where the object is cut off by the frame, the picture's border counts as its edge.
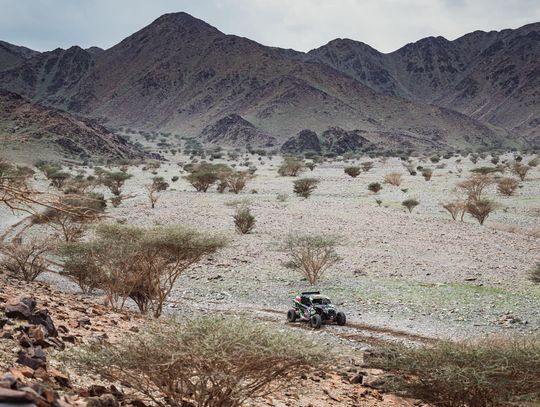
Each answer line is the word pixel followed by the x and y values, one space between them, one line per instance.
pixel 299 24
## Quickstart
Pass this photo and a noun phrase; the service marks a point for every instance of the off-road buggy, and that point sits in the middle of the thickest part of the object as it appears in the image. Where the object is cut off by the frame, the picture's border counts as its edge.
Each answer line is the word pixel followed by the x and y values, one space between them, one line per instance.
pixel 315 308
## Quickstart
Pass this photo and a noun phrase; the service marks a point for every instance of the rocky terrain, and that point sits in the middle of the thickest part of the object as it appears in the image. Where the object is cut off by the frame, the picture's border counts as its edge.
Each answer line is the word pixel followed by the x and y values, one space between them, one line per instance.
pixel 31 132
pixel 491 76
pixel 184 76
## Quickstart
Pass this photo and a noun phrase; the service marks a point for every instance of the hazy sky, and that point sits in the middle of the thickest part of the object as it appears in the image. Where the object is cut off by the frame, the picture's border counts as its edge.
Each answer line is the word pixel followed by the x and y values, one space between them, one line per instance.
pixel 299 24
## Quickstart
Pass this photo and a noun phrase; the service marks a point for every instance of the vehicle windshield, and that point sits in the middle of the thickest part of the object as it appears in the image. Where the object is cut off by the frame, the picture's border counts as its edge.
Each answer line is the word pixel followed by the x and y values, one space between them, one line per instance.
pixel 323 301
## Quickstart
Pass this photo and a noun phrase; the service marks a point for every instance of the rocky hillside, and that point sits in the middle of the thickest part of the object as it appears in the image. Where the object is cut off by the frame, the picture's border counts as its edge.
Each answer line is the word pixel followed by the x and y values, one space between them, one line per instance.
pixel 29 127
pixel 181 75
pixel 491 76
pixel 11 55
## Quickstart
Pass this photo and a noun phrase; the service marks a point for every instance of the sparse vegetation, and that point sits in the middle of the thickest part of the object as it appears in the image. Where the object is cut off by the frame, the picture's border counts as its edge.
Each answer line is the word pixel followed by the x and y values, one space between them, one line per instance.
pixel 393 178
pixel 352 171
pixel 374 187
pixel 507 186
pixel 454 208
pixel 25 260
pixel 494 371
pixel 427 173
pixel 520 170
pixel 244 221
pixel 131 262
pixel 311 255
pixel 367 165
pixel 475 185
pixel 152 190
pixel 291 167
pixel 410 204
pixel 535 274
pixel 304 187
pixel 212 361
pixel 480 209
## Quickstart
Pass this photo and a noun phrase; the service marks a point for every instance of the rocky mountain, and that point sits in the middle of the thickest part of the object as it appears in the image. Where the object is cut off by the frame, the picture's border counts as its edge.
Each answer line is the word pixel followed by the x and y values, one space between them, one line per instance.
pixel 11 55
pixel 181 75
pixel 491 76
pixel 29 127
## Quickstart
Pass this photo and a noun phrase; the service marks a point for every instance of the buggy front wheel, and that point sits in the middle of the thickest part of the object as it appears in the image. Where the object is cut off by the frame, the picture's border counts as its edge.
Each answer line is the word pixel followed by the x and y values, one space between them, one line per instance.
pixel 315 321
pixel 340 318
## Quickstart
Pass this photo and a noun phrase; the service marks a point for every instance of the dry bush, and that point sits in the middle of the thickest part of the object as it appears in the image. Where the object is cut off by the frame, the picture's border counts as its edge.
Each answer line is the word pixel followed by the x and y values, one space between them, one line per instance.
pixel 480 209
pixel 113 180
pixel 366 166
pixel 535 274
pixel 410 168
pixel 520 170
pixel 291 167
pixel 71 225
pixel 152 190
pixel 311 255
pixel 393 178
pixel 304 187
pixel 475 185
pixel 494 371
pixel 25 260
pixel 352 171
pixel 207 362
pixel 454 208
pixel 410 204
pixel 244 221
pixel 311 166
pixel 534 162
pixel 144 263
pixel 235 181
pixel 374 187
pixel 427 173
pixel 507 186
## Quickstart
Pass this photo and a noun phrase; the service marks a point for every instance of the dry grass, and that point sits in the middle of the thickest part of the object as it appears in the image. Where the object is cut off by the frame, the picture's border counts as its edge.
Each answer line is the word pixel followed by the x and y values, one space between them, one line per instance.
pixel 393 178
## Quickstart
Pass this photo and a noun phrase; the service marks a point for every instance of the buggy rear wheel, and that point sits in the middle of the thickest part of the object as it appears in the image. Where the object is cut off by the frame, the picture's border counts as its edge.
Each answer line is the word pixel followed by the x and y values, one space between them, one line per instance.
pixel 291 315
pixel 341 319
pixel 315 321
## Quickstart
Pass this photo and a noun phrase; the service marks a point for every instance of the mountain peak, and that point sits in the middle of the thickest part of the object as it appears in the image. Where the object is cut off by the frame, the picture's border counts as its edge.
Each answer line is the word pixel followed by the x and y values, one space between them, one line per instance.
pixel 181 19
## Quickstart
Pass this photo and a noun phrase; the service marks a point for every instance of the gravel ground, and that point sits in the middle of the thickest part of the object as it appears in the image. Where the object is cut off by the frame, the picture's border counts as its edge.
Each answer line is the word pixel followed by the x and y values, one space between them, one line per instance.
pixel 420 272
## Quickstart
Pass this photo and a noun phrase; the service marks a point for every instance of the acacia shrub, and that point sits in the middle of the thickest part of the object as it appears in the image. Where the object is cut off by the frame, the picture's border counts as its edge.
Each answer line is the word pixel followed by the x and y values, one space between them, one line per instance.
pixel 304 187
pixel 291 167
pixel 209 361
pixel 25 260
pixel 493 371
pixel 311 255
pixel 352 171
pixel 507 186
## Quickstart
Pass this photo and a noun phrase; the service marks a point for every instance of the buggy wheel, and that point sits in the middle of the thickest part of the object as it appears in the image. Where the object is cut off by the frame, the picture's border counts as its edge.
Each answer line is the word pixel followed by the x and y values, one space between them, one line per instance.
pixel 291 315
pixel 315 321
pixel 341 319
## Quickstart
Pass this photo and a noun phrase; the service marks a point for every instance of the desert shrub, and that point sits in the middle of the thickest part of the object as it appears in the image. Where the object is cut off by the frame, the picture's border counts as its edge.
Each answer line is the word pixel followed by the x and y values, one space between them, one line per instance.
pixel 152 190
pixel 144 263
pixel 534 162
pixel 427 173
pixel 378 202
pixel 507 186
pixel 291 167
pixel 79 211
pixel 475 185
pixel 304 187
pixel 535 274
pixel 244 221
pixel 410 204
pixel 311 255
pixel 25 260
pixel 210 361
pixel 58 178
pixel 311 165
pixel 454 208
pixel 282 197
pixel 520 170
pixel 393 178
pixel 235 181
pixel 175 178
pixel 374 187
pixel 485 170
pixel 480 209
pixel 486 372
pixel 352 171
pixel 114 181
pixel 203 175
pixel 366 166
